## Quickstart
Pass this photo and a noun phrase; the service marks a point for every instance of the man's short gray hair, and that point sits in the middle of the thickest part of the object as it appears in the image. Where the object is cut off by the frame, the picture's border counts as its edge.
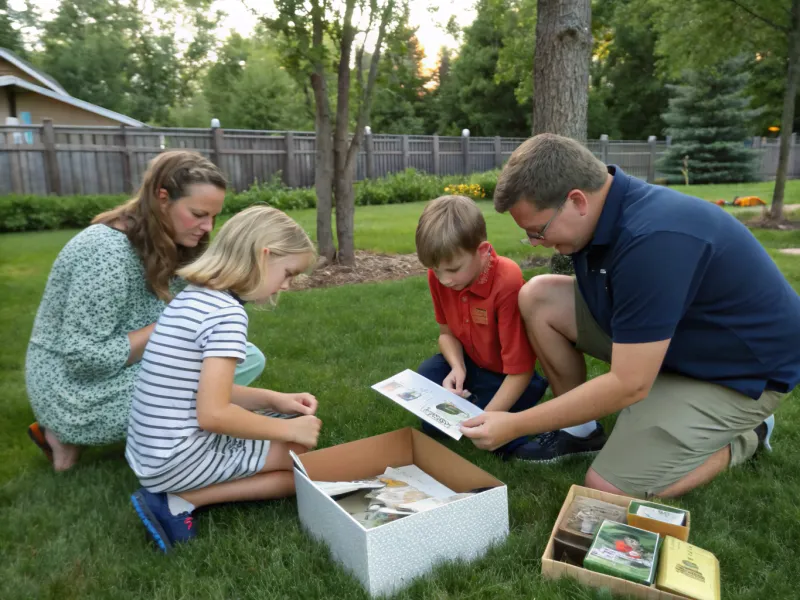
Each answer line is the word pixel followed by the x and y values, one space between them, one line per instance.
pixel 544 169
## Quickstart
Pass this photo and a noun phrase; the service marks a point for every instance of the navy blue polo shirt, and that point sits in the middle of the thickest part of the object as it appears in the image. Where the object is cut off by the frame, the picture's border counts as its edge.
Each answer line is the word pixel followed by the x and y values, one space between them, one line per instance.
pixel 664 265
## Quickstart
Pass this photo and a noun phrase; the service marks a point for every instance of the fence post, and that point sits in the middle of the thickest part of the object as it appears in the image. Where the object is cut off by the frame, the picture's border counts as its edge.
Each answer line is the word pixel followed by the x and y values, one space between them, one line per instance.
pixel 465 149
pixel 370 150
pixel 50 157
pixel 604 148
pixel 498 152
pixel 435 154
pixel 127 168
pixel 651 166
pixel 217 143
pixel 404 148
pixel 288 164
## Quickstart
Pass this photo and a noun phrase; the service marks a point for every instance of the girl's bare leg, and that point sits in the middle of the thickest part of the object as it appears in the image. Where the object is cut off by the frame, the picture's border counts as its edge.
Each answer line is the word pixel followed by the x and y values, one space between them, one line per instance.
pixel 276 480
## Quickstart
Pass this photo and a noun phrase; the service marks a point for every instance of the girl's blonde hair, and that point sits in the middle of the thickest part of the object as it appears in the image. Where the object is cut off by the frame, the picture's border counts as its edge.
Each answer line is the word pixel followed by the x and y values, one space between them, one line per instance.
pixel 149 231
pixel 234 259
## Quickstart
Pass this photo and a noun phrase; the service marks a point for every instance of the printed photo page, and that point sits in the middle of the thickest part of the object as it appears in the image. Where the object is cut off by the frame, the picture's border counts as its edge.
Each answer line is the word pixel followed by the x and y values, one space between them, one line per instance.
pixel 439 407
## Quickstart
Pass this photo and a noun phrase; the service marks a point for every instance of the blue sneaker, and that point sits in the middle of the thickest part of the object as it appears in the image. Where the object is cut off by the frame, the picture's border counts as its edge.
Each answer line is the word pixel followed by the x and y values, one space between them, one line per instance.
pixel 764 432
pixel 162 526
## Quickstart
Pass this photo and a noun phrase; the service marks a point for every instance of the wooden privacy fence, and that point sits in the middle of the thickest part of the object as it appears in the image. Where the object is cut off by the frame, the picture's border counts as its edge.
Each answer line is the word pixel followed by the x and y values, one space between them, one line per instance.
pixel 53 159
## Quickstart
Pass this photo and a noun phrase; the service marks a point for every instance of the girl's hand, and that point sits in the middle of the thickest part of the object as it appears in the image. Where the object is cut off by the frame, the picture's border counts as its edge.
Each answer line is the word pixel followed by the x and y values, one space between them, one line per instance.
pixel 305 430
pixel 295 404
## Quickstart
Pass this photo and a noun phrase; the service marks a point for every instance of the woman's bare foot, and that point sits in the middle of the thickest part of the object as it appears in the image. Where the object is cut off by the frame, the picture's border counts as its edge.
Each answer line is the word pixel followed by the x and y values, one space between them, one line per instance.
pixel 64 455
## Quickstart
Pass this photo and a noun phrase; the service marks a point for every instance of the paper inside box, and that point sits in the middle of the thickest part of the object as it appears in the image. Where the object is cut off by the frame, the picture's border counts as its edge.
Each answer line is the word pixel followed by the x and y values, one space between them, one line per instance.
pixel 388 557
pixel 370 457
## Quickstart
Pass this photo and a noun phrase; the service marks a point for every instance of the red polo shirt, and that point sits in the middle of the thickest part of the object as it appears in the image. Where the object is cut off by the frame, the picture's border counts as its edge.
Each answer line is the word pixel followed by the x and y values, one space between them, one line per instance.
pixel 485 317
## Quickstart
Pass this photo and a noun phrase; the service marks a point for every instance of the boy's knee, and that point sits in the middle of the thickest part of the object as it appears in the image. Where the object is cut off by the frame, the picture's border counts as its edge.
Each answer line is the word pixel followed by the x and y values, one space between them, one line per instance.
pixel 434 368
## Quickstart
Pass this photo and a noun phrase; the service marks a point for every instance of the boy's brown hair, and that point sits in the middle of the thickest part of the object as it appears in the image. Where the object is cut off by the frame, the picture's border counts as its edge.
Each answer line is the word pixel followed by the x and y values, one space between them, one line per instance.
pixel 449 224
pixel 544 169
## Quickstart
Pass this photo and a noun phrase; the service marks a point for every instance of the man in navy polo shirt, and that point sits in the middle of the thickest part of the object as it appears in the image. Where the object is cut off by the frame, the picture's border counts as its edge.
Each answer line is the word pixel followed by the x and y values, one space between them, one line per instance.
pixel 701 329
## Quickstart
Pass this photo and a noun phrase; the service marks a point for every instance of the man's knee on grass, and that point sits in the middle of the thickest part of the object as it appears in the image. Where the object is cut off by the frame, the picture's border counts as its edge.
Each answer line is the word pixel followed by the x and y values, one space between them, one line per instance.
pixel 549 299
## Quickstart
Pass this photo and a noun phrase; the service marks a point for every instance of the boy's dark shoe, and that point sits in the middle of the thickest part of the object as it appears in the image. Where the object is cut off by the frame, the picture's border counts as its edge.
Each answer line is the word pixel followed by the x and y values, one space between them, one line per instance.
pixel 555 445
pixel 164 528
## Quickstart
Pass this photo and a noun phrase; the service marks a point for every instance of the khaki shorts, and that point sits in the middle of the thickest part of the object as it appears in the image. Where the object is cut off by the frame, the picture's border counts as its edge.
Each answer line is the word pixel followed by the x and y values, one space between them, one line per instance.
pixel 681 423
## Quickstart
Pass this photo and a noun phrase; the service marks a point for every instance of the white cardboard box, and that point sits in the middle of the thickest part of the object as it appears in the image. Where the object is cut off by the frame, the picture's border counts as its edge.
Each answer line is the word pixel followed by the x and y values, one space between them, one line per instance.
pixel 387 558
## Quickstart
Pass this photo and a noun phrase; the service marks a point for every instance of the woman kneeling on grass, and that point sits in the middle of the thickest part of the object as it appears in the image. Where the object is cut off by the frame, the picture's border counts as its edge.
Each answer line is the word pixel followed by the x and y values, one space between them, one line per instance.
pixel 106 289
pixel 194 438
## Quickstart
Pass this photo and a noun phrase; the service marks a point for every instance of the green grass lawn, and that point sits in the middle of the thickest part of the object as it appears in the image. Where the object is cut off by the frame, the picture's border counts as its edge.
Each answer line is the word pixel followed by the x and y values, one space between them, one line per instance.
pixel 74 535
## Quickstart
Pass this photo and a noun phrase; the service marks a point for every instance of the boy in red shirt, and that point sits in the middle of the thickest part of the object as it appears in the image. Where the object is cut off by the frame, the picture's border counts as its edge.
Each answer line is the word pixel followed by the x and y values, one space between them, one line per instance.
pixel 485 354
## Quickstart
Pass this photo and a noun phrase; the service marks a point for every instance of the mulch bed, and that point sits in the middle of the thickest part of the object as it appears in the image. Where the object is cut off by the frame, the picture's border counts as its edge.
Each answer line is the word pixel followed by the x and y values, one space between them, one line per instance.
pixel 782 225
pixel 369 267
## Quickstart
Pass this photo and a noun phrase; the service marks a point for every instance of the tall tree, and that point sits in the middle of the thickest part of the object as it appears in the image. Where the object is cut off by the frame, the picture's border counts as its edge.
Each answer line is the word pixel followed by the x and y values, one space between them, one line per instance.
pixel 400 87
pixel 123 55
pixel 12 23
pixel 471 97
pixel 305 27
pixel 696 33
pixel 708 120
pixel 561 67
pixel 626 96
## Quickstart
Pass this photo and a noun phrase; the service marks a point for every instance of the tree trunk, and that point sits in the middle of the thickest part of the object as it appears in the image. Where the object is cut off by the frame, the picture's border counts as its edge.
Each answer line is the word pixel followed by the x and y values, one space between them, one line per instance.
pixel 323 171
pixel 345 215
pixel 323 178
pixel 561 67
pixel 343 180
pixel 787 120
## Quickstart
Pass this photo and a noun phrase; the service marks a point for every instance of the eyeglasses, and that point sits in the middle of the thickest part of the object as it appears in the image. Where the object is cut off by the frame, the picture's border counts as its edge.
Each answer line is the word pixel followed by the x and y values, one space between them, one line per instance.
pixel 540 234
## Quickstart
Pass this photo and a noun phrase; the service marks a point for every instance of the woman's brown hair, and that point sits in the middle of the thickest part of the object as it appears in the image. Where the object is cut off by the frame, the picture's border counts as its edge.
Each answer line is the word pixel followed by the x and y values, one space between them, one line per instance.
pixel 144 222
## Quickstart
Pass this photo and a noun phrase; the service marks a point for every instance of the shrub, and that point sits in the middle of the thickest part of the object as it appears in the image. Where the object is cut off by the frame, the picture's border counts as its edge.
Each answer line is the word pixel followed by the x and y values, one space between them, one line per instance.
pixel 398 188
pixel 32 213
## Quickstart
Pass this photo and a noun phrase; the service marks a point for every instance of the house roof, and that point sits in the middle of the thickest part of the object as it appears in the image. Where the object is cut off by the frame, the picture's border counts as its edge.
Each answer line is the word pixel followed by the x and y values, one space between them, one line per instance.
pixel 8 80
pixel 40 76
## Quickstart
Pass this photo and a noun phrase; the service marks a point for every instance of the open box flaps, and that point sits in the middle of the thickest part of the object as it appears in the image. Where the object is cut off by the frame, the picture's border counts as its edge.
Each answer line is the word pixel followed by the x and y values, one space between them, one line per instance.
pixel 389 557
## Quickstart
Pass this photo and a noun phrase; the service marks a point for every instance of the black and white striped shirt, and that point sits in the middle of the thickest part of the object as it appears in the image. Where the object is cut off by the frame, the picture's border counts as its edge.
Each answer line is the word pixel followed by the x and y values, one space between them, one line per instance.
pixel 166 447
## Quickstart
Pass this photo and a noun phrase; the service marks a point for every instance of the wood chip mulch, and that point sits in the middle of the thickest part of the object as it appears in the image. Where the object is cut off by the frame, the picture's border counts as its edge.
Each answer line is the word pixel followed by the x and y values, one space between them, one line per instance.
pixel 369 267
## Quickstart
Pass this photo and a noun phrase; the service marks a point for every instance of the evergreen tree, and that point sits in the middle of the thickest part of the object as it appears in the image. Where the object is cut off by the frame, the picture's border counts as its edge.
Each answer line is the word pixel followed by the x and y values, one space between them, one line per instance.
pixel 708 119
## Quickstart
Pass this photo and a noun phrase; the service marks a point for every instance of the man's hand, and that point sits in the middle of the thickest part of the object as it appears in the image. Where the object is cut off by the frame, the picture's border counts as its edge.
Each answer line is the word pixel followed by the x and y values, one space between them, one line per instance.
pixel 291 404
pixel 490 430
pixel 454 382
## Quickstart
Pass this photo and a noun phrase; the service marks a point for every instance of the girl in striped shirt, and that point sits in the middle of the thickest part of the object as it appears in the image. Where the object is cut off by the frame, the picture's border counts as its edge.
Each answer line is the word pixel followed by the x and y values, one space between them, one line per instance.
pixel 194 437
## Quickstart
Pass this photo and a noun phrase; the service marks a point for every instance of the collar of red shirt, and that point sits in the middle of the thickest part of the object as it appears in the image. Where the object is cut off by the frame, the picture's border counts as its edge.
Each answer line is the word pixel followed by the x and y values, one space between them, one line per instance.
pixel 483 284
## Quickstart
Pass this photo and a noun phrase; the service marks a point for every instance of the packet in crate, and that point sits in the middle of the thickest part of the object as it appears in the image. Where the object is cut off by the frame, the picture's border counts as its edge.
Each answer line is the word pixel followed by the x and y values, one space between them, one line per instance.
pixel 623 551
pixel 688 570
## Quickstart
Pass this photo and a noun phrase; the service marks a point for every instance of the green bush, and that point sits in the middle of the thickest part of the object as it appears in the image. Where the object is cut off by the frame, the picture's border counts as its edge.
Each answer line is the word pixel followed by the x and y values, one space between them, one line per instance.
pixel 33 213
pixel 273 193
pixel 398 188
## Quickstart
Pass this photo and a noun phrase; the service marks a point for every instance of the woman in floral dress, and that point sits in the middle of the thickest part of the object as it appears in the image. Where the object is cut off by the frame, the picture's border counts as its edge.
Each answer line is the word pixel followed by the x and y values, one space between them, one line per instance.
pixel 105 292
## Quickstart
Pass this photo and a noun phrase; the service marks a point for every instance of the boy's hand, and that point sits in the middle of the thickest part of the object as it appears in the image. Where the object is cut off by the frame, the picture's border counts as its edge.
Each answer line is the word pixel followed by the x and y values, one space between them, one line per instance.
pixel 490 430
pixel 305 430
pixel 290 404
pixel 454 382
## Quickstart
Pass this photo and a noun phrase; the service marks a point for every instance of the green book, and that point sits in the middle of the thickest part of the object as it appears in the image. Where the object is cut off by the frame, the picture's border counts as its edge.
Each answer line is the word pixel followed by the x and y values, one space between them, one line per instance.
pixel 623 551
